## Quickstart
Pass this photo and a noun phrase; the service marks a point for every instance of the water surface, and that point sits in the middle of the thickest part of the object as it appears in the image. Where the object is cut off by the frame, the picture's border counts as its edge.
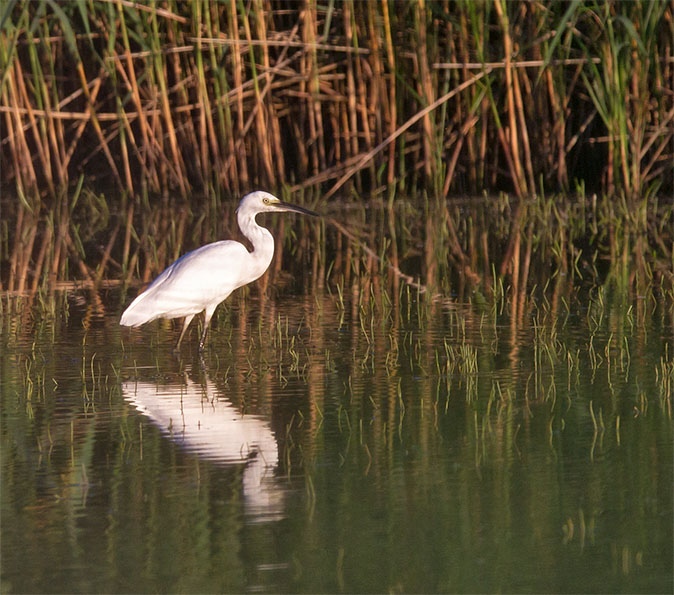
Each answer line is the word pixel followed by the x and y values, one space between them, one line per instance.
pixel 338 442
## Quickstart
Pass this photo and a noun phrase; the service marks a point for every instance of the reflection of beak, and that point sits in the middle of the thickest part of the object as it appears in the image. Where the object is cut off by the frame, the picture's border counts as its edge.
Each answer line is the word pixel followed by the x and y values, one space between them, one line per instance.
pixel 286 206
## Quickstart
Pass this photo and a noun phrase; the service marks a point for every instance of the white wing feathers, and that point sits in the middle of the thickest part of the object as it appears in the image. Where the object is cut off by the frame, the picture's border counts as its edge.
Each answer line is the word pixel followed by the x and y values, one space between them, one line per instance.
pixel 204 276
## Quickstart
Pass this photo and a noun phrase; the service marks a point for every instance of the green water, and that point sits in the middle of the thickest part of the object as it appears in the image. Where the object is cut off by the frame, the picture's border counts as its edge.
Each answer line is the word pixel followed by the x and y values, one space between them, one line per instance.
pixel 333 443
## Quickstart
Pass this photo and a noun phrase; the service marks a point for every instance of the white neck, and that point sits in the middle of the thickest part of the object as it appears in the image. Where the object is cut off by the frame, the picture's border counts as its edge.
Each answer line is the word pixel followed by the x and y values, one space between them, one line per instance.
pixel 262 240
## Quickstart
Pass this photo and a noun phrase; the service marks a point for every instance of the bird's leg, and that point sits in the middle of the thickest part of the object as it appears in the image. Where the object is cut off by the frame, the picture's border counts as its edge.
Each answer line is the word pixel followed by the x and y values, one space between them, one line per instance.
pixel 208 313
pixel 186 323
pixel 202 341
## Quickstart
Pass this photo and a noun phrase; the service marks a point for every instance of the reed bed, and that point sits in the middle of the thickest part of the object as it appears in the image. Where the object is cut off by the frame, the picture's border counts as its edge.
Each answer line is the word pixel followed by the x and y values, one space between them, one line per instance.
pixel 200 98
pixel 184 96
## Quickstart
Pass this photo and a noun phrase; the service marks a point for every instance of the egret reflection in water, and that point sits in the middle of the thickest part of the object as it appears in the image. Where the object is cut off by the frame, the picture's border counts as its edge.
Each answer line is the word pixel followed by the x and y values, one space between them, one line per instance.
pixel 202 421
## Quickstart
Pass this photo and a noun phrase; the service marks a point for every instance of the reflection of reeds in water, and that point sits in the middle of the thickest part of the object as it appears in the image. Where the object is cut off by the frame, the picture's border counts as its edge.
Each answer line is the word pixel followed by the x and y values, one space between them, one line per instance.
pixel 496 252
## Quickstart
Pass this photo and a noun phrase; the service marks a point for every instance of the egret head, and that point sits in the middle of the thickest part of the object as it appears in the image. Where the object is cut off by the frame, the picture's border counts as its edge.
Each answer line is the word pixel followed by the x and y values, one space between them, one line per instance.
pixel 263 202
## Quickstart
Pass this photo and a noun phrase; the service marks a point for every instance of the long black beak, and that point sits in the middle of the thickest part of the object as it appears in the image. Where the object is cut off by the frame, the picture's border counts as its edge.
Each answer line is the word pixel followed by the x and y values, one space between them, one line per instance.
pixel 286 206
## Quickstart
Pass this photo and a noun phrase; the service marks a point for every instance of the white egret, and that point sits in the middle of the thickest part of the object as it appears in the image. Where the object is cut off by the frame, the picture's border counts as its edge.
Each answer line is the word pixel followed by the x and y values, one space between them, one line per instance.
pixel 199 280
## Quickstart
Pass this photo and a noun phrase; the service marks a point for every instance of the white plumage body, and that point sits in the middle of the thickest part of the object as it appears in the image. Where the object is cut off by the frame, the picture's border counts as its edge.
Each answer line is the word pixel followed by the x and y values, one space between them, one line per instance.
pixel 200 280
pixel 197 281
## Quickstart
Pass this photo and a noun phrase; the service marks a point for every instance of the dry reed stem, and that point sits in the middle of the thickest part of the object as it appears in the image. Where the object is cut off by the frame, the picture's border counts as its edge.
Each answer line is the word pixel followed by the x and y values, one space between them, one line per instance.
pixel 378 100
pixel 42 151
pixel 426 88
pixel 15 153
pixel 521 117
pixel 451 165
pixel 511 131
pixel 351 135
pixel 362 95
pixel 280 43
pixel 57 144
pixel 166 110
pixel 513 64
pixel 167 14
pixel 310 67
pixel 237 68
pixel 558 131
pixel 393 114
pixel 279 161
pixel 25 159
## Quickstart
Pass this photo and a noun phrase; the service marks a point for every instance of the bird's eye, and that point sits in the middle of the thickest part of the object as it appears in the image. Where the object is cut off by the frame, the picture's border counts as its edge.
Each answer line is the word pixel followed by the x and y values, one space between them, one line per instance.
pixel 265 201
